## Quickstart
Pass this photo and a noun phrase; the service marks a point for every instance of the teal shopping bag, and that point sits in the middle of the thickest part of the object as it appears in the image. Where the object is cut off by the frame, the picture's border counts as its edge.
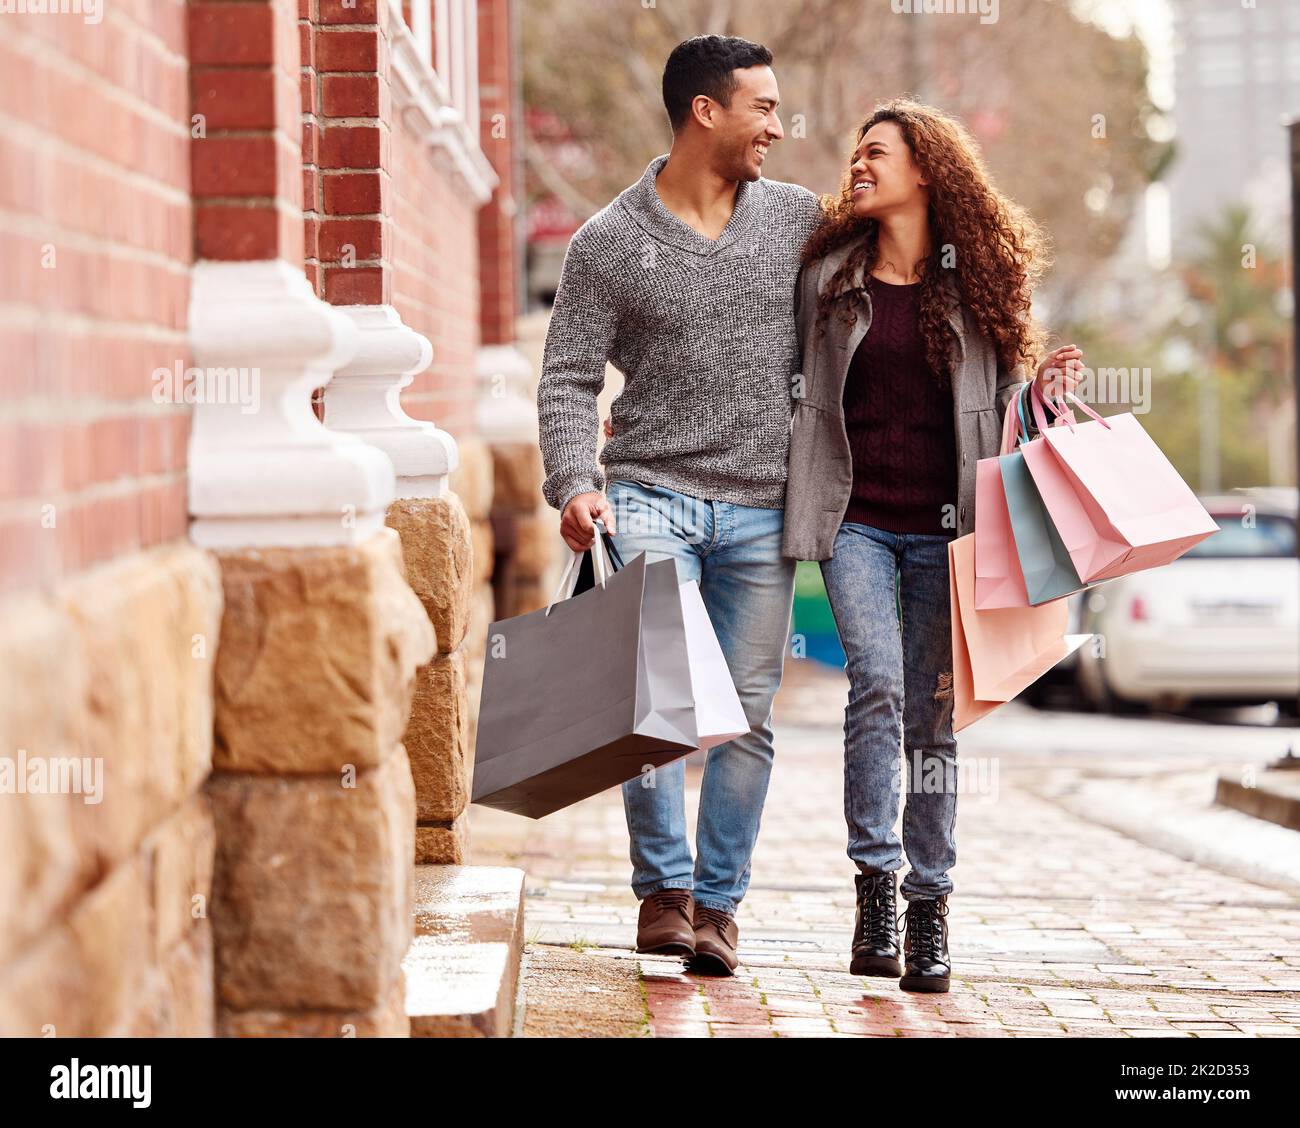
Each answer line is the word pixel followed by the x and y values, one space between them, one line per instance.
pixel 1044 560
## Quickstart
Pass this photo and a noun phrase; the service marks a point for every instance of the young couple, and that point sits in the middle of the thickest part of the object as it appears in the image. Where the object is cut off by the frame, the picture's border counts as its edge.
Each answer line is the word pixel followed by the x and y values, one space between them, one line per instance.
pixel 801 383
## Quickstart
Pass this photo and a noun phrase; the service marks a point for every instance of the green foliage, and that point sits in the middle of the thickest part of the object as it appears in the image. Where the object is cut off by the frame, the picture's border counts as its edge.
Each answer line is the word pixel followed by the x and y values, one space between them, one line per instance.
pixel 1059 105
pixel 1234 324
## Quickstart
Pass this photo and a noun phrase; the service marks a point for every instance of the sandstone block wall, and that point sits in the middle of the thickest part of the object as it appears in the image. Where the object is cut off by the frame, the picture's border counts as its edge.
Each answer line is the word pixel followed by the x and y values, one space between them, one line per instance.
pixel 484 552
pixel 533 528
pixel 473 483
pixel 105 906
pixel 312 789
pixel 439 541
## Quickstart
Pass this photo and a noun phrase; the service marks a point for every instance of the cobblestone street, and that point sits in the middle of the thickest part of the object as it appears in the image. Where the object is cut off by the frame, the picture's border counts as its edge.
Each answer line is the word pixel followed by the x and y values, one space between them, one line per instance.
pixel 1060 925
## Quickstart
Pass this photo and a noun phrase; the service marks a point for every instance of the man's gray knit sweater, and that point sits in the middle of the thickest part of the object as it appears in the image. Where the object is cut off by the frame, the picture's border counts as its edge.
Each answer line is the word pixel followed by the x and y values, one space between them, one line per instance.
pixel 703 331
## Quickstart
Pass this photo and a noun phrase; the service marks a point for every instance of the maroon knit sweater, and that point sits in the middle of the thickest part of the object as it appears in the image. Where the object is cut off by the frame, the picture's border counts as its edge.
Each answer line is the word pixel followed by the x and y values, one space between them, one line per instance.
pixel 898 416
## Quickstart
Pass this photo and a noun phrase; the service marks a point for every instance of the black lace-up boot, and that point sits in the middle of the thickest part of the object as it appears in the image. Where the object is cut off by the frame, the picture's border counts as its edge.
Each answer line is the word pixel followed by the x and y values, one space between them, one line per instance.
pixel 925 945
pixel 875 936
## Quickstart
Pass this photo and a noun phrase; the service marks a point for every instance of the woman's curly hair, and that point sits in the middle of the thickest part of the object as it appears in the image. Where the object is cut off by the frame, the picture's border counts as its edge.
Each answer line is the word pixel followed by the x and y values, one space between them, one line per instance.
pixel 995 251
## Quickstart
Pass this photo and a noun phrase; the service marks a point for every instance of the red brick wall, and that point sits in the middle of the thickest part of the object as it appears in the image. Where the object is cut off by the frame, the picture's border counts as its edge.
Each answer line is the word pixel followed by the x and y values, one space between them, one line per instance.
pixel 247 170
pixel 309 92
pixel 381 191
pixel 106 200
pixel 435 281
pixel 346 107
pixel 496 221
pixel 95 245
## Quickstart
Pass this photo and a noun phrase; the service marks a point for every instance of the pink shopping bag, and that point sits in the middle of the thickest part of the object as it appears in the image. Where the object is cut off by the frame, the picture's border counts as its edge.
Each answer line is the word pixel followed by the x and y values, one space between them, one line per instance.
pixel 1115 499
pixel 999 581
pixel 1000 652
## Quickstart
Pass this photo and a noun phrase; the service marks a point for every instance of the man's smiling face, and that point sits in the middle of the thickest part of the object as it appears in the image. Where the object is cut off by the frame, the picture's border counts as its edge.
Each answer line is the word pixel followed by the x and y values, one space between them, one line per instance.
pixel 745 130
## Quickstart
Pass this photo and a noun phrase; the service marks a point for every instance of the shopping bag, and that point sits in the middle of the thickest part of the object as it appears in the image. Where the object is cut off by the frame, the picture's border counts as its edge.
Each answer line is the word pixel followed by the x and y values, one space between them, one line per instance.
pixel 1116 501
pixel 719 715
pixel 1045 564
pixel 998 579
pixel 999 652
pixel 586 693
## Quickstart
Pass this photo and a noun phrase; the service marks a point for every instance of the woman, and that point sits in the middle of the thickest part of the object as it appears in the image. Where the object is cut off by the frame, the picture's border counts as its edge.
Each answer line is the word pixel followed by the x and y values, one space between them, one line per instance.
pixel 914 311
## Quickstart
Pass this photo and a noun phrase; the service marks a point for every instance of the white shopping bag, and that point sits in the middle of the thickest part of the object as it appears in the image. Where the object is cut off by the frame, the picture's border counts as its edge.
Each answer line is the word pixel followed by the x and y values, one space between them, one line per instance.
pixel 719 716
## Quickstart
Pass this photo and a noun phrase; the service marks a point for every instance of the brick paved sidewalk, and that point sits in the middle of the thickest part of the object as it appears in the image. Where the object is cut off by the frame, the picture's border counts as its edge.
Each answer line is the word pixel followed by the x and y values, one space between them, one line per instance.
pixel 1060 926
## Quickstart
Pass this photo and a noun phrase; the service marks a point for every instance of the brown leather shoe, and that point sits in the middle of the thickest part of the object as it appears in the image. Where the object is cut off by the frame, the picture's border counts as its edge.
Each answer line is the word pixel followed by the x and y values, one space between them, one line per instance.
pixel 663 926
pixel 715 942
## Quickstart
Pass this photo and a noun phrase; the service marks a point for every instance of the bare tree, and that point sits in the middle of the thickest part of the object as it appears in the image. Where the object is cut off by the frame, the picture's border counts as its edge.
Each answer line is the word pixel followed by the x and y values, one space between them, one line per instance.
pixel 1059 106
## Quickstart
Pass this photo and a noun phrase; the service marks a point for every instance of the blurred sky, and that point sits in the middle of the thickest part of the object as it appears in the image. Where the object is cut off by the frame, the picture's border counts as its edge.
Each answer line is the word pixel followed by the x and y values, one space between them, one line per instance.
pixel 1153 22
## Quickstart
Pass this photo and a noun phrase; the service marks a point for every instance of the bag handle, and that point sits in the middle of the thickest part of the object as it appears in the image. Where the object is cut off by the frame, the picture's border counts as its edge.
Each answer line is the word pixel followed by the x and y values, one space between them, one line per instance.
pixel 611 549
pixel 1086 410
pixel 603 553
pixel 1038 400
pixel 1035 407
pixel 1019 414
pixel 1011 423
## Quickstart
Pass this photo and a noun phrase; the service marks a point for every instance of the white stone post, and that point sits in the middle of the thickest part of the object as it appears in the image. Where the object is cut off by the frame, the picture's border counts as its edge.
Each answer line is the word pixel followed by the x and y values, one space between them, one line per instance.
pixel 364 400
pixel 505 411
pixel 263 472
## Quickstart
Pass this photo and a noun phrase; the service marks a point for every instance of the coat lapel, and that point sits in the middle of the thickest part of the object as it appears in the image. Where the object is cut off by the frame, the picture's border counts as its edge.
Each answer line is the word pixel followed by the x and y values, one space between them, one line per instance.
pixel 958 322
pixel 843 339
pixel 832 262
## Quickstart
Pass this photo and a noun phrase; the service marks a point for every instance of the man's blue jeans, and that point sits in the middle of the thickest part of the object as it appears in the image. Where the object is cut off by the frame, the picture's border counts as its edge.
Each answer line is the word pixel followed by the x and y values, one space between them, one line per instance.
pixel 734 552
pixel 900 678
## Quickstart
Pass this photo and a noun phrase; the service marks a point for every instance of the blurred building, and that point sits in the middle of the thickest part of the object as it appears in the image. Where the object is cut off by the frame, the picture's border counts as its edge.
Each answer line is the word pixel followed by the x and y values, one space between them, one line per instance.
pixel 256 622
pixel 552 220
pixel 1237 79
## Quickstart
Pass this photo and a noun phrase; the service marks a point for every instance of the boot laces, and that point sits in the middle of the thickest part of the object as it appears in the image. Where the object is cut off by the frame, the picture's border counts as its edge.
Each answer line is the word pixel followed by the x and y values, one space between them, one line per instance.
pixel 924 922
pixel 873 920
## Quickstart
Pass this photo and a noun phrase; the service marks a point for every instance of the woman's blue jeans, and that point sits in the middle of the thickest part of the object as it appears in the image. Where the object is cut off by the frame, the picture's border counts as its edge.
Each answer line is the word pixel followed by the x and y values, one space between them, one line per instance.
pixel 889 593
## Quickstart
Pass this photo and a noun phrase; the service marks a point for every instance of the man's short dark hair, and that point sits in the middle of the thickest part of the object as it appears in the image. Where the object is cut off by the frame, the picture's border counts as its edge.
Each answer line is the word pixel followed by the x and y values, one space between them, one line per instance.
pixel 705 65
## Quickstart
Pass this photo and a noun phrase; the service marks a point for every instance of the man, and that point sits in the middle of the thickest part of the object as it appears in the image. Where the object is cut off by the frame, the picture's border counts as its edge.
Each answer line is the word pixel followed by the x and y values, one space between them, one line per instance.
pixel 686 284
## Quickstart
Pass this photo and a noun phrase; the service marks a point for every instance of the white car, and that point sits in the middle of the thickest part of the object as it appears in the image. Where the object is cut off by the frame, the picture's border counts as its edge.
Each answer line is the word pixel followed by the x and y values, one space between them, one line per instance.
pixel 1220 625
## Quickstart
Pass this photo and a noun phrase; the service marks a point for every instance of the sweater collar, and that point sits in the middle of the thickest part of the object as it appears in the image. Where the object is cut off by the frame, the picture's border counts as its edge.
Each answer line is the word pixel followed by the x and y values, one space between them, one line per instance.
pixel 644 205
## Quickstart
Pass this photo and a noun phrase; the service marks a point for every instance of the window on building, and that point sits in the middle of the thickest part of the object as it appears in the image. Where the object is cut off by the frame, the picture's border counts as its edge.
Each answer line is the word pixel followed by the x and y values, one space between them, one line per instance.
pixel 446 36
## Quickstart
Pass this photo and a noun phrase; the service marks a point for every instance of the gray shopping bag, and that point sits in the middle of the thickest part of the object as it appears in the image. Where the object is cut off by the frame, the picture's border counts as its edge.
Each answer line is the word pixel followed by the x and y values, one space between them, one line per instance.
pixel 583 695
